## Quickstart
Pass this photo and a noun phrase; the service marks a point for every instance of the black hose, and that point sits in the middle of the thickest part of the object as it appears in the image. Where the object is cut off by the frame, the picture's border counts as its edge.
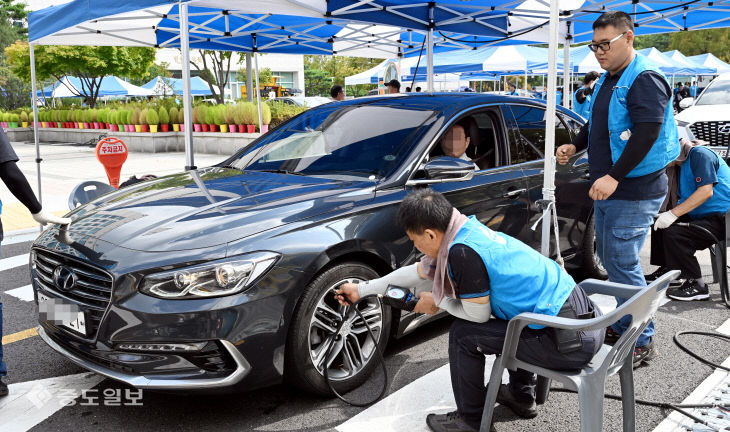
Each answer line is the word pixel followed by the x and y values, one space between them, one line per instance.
pixel 386 383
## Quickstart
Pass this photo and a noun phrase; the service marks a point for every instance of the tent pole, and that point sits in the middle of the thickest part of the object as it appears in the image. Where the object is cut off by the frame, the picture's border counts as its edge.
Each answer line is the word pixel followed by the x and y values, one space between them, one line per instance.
pixel 33 103
pixel 187 99
pixel 566 72
pixel 249 78
pixel 429 60
pixel 548 189
pixel 258 91
pixel 525 79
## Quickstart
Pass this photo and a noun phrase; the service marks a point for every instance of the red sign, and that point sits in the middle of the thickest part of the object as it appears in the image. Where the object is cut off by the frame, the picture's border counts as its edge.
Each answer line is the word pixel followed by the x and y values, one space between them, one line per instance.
pixel 112 153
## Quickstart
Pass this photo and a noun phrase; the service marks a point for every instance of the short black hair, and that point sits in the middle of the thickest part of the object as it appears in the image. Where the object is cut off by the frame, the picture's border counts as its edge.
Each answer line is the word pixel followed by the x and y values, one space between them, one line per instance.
pixel 335 90
pixel 418 89
pixel 408 89
pixel 619 19
pixel 394 83
pixel 424 209
pixel 590 76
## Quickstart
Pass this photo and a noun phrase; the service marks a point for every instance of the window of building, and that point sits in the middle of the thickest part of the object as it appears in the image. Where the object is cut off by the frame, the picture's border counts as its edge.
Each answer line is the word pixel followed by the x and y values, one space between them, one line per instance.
pixel 286 79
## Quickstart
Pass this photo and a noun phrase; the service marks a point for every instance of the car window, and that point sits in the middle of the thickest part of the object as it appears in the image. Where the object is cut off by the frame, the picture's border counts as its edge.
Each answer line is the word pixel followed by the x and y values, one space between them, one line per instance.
pixel 530 131
pixel 350 140
pixel 718 92
pixel 480 130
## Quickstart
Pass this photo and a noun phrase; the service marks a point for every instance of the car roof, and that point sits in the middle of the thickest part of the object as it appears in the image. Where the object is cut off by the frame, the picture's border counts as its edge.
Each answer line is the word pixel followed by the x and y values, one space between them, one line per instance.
pixel 448 103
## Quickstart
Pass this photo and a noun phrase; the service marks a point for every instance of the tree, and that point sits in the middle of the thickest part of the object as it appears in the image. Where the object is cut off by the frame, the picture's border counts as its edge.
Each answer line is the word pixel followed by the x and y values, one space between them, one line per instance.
pixel 217 78
pixel 155 70
pixel 658 41
pixel 702 41
pixel 14 92
pixel 266 77
pixel 322 72
pixel 316 82
pixel 88 63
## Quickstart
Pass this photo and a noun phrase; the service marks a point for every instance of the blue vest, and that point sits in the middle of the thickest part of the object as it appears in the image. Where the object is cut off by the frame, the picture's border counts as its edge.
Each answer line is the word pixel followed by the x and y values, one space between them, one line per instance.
pixel 584 109
pixel 665 148
pixel 559 98
pixel 520 278
pixel 693 91
pixel 719 202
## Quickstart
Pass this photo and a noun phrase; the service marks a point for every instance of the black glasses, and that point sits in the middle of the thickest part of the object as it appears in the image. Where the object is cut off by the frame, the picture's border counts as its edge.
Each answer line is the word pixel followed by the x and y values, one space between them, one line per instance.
pixel 604 46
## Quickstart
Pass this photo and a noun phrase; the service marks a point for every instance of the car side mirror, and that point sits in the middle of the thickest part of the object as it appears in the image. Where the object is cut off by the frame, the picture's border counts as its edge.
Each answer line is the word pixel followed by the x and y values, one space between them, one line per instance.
pixel 686 102
pixel 443 169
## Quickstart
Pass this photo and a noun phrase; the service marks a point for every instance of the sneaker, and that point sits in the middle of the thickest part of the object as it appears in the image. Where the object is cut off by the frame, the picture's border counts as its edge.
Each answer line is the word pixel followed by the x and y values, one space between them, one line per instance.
pixel 658 272
pixel 3 388
pixel 644 354
pixel 689 290
pixel 449 422
pixel 611 336
pixel 526 410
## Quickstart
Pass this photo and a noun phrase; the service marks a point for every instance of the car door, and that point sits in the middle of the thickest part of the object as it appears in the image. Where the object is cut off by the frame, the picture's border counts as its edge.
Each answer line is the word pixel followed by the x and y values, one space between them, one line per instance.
pixel 572 202
pixel 497 193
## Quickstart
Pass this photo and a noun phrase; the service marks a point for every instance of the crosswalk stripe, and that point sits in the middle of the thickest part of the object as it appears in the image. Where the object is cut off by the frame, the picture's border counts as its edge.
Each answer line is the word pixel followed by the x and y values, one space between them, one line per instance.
pixel 21 238
pixel 15 261
pixel 31 402
pixel 24 293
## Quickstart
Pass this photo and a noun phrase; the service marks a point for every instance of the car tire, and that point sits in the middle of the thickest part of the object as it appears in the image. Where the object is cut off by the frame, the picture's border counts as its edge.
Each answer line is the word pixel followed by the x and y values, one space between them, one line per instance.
pixel 592 267
pixel 305 337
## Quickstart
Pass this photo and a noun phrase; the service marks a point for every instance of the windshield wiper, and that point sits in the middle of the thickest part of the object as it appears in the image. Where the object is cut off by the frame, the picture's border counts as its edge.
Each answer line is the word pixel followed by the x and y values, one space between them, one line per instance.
pixel 280 171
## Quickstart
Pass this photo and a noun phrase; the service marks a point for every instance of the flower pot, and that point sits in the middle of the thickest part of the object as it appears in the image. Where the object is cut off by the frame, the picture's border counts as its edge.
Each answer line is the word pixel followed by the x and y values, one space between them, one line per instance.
pixel 145 128
pixel 96 125
pixel 214 128
pixel 113 128
pixel 120 128
pixel 44 124
pixel 196 127
pixel 88 125
pixel 176 127
pixel 232 128
pixel 182 127
pixel 138 128
pixel 264 129
pixel 165 128
pixel 251 128
pixel 12 124
pixel 4 124
pixel 153 128
pixel 223 128
pixel 205 127
pixel 25 124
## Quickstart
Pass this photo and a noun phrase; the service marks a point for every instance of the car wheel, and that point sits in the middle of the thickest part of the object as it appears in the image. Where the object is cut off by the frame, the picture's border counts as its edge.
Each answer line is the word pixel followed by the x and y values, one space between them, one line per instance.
pixel 313 331
pixel 592 267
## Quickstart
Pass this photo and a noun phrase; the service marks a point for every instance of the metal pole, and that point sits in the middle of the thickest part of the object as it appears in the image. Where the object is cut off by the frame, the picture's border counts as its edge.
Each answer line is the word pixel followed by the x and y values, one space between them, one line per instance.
pixel 187 97
pixel 566 72
pixel 548 189
pixel 34 95
pixel 429 50
pixel 258 90
pixel 525 79
pixel 249 78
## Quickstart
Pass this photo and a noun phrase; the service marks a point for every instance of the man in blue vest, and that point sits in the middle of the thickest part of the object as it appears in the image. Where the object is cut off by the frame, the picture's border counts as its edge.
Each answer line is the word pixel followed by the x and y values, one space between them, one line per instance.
pixel 632 137
pixel 512 90
pixel 582 97
pixel 477 271
pixel 703 193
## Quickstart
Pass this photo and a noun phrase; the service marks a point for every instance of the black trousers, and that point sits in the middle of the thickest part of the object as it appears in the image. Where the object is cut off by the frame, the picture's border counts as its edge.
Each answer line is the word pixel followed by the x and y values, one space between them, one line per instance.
pixel 469 342
pixel 674 247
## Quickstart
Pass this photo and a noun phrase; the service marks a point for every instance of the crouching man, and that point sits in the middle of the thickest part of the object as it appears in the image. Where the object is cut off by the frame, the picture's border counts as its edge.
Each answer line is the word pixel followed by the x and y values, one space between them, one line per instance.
pixel 476 273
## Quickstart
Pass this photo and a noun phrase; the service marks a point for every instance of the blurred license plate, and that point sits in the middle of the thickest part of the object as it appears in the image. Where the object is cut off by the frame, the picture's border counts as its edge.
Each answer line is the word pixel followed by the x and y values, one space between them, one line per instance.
pixel 60 313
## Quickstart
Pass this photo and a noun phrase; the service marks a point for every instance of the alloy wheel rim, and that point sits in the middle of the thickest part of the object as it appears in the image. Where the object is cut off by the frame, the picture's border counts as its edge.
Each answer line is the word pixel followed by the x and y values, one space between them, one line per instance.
pixel 353 346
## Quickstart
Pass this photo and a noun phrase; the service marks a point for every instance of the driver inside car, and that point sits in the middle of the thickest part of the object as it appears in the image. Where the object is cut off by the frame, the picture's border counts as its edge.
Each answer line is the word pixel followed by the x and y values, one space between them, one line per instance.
pixel 455 142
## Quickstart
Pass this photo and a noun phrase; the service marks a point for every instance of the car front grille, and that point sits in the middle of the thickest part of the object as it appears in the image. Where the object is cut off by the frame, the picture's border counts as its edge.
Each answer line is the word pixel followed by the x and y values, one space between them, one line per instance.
pixel 92 290
pixel 709 131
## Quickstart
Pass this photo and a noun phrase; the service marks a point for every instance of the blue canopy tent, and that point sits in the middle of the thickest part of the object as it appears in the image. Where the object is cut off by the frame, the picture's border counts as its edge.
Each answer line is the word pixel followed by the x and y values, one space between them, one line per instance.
pixel 75 87
pixel 680 59
pixel 664 63
pixel 160 86
pixel 709 60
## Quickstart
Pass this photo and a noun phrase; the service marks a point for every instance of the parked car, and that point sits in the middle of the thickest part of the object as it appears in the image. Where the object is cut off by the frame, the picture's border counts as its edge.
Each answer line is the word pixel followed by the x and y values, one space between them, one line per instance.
pixel 708 116
pixel 307 101
pixel 223 276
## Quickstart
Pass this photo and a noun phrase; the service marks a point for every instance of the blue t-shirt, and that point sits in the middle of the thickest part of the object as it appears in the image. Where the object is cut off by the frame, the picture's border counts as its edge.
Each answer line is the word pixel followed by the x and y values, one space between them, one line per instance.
pixel 704 167
pixel 646 100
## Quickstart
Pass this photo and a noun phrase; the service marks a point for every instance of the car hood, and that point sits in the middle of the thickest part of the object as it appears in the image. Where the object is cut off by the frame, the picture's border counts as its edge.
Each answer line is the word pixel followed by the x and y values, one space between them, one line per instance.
pixel 208 207
pixel 704 113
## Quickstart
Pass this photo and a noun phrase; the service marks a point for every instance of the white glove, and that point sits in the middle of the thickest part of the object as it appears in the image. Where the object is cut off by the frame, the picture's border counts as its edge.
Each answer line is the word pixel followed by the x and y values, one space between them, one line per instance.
pixel 43 217
pixel 665 219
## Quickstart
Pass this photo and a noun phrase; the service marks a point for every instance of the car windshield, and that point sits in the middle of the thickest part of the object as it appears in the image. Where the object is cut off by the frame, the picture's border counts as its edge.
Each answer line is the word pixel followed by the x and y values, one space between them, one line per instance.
pixel 351 140
pixel 715 94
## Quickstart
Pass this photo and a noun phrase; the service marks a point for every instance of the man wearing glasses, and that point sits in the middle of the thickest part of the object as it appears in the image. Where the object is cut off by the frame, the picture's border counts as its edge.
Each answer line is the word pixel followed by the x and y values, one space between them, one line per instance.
pixel 631 136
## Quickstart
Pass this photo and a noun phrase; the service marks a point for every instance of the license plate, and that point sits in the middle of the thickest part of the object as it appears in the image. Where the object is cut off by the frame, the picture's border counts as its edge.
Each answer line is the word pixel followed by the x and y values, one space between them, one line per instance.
pixel 60 313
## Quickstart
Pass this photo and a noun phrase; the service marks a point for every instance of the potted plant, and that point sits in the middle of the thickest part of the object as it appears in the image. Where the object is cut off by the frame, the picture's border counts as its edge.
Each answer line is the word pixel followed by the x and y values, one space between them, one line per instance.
pixel 152 119
pixel 200 118
pixel 14 119
pixel 79 118
pixel 173 119
pixel 24 119
pixel 230 117
pixel 250 114
pixel 181 119
pixel 119 117
pixel 164 119
pixel 136 120
pixel 238 118
pixel 88 123
pixel 265 117
pixel 112 119
pixel 128 120
pixel 143 120
pixel 210 119
pixel 220 118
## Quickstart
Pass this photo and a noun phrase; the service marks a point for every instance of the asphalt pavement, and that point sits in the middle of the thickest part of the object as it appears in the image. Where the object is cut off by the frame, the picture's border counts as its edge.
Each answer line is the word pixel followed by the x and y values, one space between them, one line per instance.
pixel 42 380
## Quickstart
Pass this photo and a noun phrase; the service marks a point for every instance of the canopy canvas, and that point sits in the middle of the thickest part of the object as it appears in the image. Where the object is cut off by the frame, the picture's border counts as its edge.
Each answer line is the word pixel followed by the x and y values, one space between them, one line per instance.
pixel 160 86
pixel 110 86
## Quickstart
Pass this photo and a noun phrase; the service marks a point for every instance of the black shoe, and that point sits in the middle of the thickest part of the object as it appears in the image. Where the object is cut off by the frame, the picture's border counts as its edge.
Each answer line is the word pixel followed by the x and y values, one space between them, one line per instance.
pixel 3 388
pixel 644 354
pixel 688 291
pixel 611 336
pixel 526 410
pixel 659 272
pixel 449 422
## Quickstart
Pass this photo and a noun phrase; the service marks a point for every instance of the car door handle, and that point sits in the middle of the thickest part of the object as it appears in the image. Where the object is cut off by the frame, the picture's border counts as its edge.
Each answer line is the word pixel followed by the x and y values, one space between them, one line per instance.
pixel 514 193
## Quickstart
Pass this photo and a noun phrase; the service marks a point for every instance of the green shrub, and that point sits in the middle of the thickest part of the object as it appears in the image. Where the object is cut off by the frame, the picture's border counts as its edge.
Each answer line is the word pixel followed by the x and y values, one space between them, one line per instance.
pixel 129 117
pixel 238 114
pixel 181 116
pixel 14 118
pixel 210 115
pixel 79 116
pixel 250 113
pixel 265 113
pixel 152 117
pixel 197 111
pixel 143 116
pixel 230 114
pixel 173 115
pixel 135 116
pixel 164 116
pixel 6 117
pixel 24 116
pixel 219 114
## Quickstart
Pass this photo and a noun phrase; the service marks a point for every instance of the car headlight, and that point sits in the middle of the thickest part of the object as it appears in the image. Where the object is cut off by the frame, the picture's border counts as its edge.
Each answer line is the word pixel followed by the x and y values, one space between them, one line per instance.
pixel 218 278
